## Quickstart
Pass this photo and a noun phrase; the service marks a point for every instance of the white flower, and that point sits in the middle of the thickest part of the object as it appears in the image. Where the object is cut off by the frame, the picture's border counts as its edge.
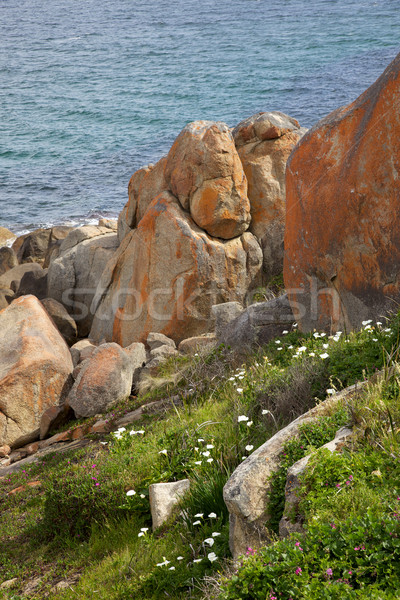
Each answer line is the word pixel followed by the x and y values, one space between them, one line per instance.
pixel 209 446
pixel 210 541
pixel 374 339
pixel 378 323
pixel 121 429
pixel 141 431
pixel 199 516
pixel 163 452
pixel 285 332
pixel 104 443
pixel 290 347
pixel 266 412
pixel 144 529
pixel 179 558
pixel 231 379
pixel 171 569
pixel 197 560
pixel 324 355
pixel 388 330
pixel 140 534
pixel 142 496
pixel 301 349
pixel 215 533
pixel 210 460
pixel 366 322
pixel 312 354
pixel 330 391
pixel 326 346
pixel 197 462
pixel 316 335
pixel 244 457
pixel 207 453
pixel 131 493
pixel 277 341
pixel 250 423
pixel 212 515
pixel 196 449
pixel 241 377
pixel 200 440
pixel 249 447
pixel 212 556
pixel 240 390
pixel 322 334
pixel 163 564
pixel 280 348
pixel 242 418
pixel 197 523
pixel 294 324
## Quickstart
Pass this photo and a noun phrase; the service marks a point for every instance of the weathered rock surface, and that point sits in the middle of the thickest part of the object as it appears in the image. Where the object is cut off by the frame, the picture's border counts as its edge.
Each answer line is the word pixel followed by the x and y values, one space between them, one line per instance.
pixel 82 350
pixel 138 357
pixel 62 319
pixel 74 275
pixel 104 380
pixel 40 245
pixel 167 274
pixel 342 246
pixel 54 417
pixel 8 259
pixel 33 282
pixel 163 499
pixel 258 324
pixel 264 143
pixel 12 278
pixel 6 236
pixel 6 296
pixel 204 172
pixel 291 521
pixel 144 186
pixel 246 492
pixel 156 340
pixel 197 344
pixel 224 314
pixel 35 369
pixel 57 235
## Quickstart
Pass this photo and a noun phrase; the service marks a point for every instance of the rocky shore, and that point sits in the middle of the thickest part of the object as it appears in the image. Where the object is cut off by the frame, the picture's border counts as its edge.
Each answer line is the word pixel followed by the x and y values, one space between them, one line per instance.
pixel 88 314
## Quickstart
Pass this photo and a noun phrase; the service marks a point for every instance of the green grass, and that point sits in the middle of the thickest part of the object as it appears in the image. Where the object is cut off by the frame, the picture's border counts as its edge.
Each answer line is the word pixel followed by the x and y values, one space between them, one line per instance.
pixel 80 520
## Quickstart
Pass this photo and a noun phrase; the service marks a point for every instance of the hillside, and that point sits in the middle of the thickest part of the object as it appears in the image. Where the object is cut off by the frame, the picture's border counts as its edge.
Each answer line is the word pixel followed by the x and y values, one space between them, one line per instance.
pixel 71 529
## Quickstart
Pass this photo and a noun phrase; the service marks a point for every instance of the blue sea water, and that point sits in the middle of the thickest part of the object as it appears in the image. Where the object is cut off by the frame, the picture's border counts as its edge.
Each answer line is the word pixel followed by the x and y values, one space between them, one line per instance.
pixel 90 91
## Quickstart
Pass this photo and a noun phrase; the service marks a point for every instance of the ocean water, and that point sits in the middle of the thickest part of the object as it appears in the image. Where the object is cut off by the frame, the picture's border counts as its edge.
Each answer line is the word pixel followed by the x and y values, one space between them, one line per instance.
pixel 91 91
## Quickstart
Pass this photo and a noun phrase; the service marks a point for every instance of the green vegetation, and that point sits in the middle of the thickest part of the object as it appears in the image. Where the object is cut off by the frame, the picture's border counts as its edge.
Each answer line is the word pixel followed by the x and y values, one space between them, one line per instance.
pixel 89 521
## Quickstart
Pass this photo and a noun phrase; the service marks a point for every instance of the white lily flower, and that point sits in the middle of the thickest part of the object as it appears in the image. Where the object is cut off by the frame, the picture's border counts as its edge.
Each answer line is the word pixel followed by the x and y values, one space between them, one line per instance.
pixel 242 418
pixel 210 541
pixel 212 556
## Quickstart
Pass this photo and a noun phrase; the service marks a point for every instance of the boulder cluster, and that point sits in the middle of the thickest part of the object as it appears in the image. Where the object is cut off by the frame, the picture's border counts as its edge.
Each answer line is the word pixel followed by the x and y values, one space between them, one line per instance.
pixel 87 313
pixel 90 312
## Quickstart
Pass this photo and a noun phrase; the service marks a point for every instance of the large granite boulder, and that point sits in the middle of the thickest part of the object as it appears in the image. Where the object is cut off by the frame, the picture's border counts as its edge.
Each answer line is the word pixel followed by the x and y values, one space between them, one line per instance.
pixel 104 379
pixel 264 143
pixel 62 319
pixel 6 236
pixel 342 245
pixel 8 259
pixel 74 275
pixel 167 274
pixel 32 246
pixel 257 325
pixel 35 369
pixel 204 172
pixel 12 278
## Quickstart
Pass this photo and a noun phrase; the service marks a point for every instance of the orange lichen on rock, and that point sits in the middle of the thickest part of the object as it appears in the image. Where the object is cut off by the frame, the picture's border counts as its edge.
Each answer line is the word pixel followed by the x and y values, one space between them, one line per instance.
pixel 149 286
pixel 343 209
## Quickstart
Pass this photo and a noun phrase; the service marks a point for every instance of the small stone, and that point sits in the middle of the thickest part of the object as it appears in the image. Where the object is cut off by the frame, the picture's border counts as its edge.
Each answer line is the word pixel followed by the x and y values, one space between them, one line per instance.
pixel 163 499
pixel 156 340
pixel 5 451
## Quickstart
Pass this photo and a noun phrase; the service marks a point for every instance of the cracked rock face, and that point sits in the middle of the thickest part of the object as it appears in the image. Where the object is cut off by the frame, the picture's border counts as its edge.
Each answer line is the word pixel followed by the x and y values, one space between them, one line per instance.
pixel 264 143
pixel 35 369
pixel 73 276
pixel 342 245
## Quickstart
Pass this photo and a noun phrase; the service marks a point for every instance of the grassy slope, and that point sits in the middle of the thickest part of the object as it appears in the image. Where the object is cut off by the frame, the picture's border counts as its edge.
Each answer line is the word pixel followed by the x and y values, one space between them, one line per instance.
pixel 80 522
